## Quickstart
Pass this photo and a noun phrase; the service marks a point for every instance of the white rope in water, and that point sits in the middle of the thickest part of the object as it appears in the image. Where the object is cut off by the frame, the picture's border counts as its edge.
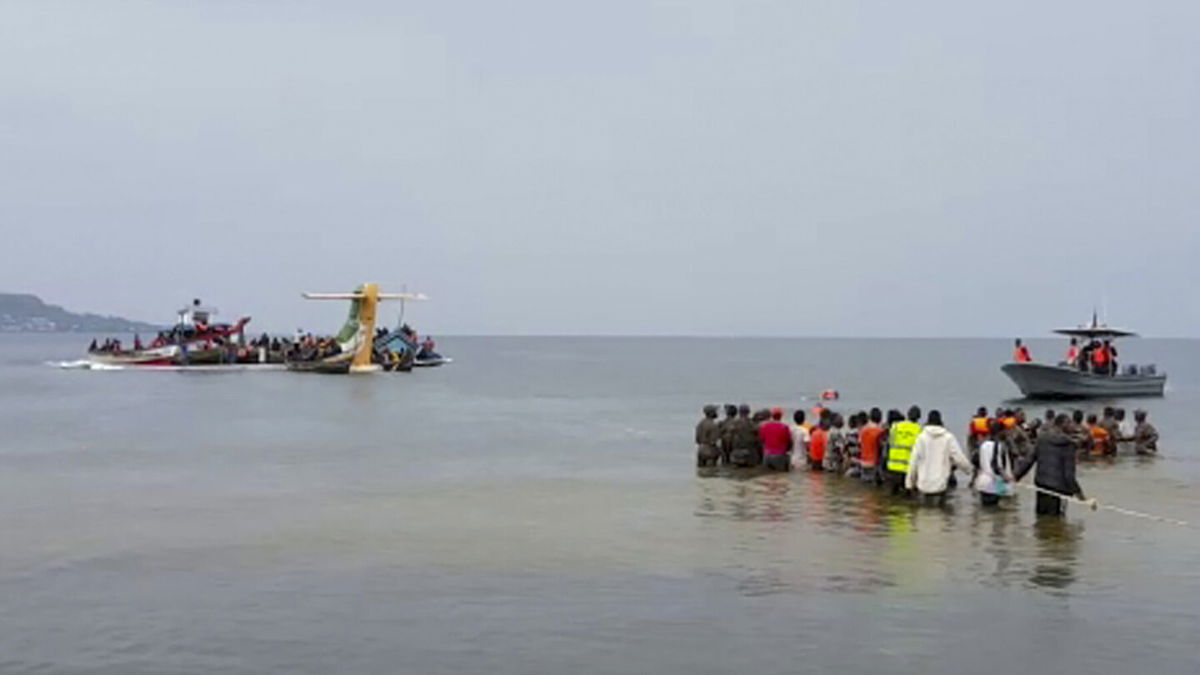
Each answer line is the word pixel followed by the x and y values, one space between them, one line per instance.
pixel 1095 504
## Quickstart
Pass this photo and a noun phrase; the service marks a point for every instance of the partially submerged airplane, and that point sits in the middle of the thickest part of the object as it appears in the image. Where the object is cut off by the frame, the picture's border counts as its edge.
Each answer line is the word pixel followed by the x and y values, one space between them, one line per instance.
pixel 356 339
pixel 196 344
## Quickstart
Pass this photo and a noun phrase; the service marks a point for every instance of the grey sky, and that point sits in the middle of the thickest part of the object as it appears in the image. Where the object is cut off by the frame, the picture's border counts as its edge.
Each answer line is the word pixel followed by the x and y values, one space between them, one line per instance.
pixel 685 167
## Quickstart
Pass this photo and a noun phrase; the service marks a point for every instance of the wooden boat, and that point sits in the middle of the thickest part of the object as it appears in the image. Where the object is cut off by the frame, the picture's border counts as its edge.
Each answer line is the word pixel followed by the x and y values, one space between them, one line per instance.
pixel 338 367
pixel 1040 380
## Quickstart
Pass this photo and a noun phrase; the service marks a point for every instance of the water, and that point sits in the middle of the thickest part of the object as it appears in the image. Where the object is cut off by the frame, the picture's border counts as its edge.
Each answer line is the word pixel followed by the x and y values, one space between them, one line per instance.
pixel 534 508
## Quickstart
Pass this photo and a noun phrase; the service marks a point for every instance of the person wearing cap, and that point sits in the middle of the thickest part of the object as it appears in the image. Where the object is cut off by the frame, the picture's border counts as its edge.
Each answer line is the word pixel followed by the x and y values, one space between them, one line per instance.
pixel 744 439
pixel 1145 436
pixel 777 442
pixel 708 438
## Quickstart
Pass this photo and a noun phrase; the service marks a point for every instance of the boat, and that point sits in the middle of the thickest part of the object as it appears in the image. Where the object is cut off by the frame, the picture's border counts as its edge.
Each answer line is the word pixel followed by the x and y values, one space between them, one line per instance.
pixel 1064 380
pixel 193 341
pixel 431 360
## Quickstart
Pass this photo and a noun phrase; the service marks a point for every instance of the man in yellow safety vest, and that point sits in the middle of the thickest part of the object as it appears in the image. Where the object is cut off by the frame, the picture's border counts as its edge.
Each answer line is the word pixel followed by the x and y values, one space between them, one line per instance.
pixel 901 437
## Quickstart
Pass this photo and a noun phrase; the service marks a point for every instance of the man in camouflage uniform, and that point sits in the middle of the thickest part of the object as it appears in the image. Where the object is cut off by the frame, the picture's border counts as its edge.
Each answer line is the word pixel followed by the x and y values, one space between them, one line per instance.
pixel 745 439
pixel 708 438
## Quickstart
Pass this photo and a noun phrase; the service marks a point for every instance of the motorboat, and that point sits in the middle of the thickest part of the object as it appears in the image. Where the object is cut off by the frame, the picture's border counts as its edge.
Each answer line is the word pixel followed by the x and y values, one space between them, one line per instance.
pixel 193 341
pixel 1077 380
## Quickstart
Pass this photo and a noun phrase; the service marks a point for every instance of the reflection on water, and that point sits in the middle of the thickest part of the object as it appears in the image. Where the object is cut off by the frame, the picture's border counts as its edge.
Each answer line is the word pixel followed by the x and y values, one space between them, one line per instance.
pixel 808 530
pixel 1058 549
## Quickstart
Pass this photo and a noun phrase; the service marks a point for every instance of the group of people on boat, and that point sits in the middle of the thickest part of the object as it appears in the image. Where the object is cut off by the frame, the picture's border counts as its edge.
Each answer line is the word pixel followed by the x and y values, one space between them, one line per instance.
pixel 1098 357
pixel 426 347
pixel 907 457
pixel 109 346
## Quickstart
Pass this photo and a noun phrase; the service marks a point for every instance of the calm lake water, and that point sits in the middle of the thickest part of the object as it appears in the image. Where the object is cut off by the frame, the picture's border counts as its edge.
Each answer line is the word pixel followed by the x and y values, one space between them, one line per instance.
pixel 534 508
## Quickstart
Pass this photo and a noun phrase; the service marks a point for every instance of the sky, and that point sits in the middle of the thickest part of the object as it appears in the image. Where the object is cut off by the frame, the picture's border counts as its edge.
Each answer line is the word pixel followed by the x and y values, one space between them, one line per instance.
pixel 681 167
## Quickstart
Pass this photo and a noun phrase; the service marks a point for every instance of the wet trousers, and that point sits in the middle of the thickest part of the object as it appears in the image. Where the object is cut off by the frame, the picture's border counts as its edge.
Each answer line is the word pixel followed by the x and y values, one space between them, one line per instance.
pixel 1049 505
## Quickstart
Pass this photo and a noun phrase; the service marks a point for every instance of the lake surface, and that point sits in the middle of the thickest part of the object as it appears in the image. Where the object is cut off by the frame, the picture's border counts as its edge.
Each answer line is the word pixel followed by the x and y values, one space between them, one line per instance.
pixel 534 508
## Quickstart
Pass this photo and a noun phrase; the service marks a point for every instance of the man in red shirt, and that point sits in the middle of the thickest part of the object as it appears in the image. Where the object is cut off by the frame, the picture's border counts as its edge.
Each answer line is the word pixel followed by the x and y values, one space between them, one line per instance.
pixel 868 446
pixel 777 442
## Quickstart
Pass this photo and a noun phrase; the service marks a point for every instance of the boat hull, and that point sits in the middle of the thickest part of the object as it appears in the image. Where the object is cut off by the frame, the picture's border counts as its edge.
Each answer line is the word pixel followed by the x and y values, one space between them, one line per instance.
pixel 155 356
pixel 1036 380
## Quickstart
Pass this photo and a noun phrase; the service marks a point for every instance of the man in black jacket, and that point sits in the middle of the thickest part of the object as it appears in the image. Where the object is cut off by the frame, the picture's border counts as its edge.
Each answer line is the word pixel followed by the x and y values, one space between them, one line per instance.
pixel 1054 455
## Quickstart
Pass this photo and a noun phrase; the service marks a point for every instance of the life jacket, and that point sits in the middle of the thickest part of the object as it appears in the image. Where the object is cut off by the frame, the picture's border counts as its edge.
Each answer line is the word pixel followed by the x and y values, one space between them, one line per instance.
pixel 1073 354
pixel 817 443
pixel 980 426
pixel 1021 354
pixel 1009 422
pixel 868 444
pixel 1100 438
pixel 900 441
pixel 1101 356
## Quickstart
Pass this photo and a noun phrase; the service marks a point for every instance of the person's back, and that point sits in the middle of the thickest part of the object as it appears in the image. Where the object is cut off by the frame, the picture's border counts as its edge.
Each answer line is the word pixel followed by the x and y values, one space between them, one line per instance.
pixel 725 429
pixel 800 438
pixel 902 436
pixel 835 446
pixel 934 454
pixel 868 445
pixel 995 470
pixel 1054 456
pixel 708 438
pixel 978 429
pixel 1145 436
pixel 745 438
pixel 816 447
pixel 776 440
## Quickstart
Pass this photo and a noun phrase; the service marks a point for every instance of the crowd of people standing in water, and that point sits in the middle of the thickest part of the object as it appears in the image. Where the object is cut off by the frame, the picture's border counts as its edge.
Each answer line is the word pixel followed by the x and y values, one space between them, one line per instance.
pixel 907 457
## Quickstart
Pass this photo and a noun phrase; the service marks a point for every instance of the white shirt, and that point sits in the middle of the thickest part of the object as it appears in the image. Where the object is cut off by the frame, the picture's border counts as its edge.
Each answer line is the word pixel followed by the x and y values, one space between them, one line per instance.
pixel 932 456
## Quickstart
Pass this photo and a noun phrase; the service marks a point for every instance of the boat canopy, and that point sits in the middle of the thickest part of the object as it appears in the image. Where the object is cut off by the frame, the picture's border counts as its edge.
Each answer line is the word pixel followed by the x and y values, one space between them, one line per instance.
pixel 1101 332
pixel 1095 330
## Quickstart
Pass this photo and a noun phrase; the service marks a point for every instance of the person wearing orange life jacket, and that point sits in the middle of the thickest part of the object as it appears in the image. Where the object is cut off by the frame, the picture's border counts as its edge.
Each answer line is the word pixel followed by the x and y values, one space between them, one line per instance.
pixel 1073 353
pixel 1102 358
pixel 977 431
pixel 1099 437
pixel 1021 353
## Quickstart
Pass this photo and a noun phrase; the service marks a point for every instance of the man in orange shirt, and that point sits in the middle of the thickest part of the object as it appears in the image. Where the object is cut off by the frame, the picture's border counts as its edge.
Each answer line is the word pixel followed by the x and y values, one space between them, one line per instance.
pixel 1021 353
pixel 869 438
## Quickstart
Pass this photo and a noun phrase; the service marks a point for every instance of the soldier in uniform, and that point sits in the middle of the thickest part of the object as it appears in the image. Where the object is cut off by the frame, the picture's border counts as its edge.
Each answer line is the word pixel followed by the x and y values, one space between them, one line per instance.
pixel 745 439
pixel 708 438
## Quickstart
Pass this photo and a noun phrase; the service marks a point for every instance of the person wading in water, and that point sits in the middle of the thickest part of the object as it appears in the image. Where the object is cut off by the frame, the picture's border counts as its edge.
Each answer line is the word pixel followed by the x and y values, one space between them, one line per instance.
pixel 1054 456
pixel 708 438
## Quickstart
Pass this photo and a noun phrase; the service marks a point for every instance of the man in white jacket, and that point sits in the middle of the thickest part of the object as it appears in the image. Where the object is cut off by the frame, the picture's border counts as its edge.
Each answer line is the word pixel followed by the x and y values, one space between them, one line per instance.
pixel 934 454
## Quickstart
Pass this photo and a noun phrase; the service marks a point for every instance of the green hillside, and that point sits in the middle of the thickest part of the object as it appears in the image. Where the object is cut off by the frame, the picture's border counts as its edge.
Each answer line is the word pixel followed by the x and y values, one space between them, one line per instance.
pixel 26 313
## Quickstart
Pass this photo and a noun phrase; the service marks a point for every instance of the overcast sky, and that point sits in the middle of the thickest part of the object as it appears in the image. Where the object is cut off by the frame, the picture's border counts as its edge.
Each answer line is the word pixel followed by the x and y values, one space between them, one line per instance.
pixel 676 167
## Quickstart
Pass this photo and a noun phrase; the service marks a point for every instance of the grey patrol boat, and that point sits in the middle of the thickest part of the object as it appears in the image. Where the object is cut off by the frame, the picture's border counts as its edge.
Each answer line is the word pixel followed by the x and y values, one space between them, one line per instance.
pixel 1064 380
